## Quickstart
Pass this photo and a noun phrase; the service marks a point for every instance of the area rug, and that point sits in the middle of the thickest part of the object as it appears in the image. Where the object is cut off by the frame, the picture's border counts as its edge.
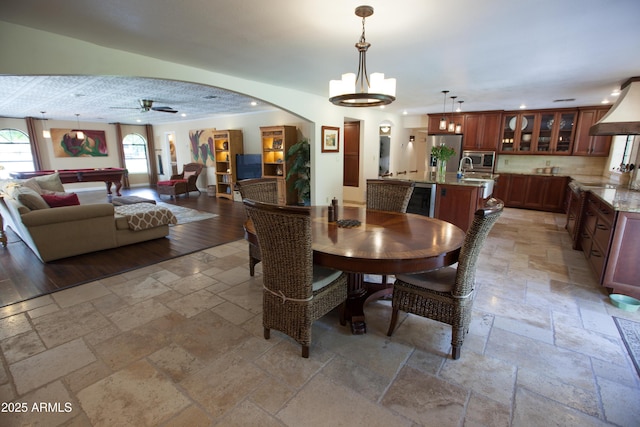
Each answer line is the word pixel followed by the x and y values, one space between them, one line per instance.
pixel 630 333
pixel 186 215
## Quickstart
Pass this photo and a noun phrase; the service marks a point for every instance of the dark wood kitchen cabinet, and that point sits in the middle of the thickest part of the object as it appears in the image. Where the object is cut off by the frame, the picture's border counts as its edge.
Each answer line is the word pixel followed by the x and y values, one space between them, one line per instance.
pixel 536 192
pixel 457 203
pixel 609 240
pixel 433 123
pixel 481 131
pixel 590 145
pixel 622 271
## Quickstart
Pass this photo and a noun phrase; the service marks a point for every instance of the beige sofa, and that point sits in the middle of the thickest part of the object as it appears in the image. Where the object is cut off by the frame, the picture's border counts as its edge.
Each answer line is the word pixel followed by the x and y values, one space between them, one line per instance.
pixel 60 232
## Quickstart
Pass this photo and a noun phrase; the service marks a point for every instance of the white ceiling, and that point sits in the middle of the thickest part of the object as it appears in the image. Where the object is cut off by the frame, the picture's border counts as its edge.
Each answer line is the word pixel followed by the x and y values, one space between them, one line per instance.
pixel 492 54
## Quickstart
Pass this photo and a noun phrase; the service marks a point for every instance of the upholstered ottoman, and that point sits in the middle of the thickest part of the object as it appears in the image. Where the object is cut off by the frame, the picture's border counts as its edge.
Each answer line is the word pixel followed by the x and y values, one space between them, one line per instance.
pixel 130 200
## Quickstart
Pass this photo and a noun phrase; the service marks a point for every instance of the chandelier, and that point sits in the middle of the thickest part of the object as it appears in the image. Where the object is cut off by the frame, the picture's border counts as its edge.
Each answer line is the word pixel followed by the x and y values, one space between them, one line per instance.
pixel 358 90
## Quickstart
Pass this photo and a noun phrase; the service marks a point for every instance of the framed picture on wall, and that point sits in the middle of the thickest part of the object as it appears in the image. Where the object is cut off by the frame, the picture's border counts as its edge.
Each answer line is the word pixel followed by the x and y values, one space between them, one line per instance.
pixel 330 139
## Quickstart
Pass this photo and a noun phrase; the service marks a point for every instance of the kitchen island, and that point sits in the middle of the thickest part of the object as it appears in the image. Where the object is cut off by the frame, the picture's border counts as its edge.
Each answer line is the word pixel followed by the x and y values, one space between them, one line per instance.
pixel 453 200
pixel 603 220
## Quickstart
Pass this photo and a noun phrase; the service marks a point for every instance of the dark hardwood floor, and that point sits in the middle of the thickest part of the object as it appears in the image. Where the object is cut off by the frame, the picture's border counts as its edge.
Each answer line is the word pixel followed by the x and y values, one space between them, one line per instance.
pixel 23 276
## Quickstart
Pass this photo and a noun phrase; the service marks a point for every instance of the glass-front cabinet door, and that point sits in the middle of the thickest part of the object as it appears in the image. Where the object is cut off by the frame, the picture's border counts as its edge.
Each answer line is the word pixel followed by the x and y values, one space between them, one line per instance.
pixel 518 132
pixel 545 132
pixel 564 138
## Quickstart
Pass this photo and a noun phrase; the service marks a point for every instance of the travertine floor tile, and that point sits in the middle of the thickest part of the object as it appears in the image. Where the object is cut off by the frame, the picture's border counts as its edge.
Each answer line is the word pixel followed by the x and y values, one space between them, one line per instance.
pixel 321 392
pixel 69 323
pixel 137 395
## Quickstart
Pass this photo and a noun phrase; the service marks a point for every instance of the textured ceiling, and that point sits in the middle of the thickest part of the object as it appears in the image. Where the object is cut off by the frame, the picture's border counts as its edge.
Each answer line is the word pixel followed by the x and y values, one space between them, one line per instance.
pixel 110 99
pixel 493 54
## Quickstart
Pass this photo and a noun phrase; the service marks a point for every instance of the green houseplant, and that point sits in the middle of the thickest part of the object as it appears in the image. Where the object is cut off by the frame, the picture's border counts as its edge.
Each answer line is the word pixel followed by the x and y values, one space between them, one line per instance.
pixel 299 167
pixel 442 154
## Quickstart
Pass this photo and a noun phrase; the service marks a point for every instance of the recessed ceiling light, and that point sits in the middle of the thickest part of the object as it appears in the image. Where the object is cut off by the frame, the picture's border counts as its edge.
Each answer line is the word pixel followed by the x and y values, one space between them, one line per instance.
pixel 615 93
pixel 405 112
pixel 605 101
pixel 183 115
pixel 382 107
pixel 522 106
pixel 254 103
pixel 138 120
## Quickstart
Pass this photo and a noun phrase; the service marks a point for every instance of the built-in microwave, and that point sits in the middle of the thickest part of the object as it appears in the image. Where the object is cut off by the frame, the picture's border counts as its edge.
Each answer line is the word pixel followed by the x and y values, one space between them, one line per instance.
pixel 483 161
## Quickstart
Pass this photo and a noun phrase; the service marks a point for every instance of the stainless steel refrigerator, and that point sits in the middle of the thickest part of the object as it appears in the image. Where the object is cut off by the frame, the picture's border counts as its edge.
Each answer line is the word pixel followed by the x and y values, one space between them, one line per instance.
pixel 453 141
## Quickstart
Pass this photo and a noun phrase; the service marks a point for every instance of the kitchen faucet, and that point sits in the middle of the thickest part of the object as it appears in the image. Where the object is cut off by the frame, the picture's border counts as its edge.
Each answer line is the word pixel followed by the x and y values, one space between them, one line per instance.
pixel 460 173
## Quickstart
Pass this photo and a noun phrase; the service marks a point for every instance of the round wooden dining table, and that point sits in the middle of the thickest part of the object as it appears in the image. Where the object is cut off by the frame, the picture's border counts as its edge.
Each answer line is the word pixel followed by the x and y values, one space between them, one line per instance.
pixel 384 243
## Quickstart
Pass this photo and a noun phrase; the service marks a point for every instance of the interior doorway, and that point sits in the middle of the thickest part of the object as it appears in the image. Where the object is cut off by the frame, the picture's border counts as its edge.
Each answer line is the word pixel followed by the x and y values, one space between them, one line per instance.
pixel 351 175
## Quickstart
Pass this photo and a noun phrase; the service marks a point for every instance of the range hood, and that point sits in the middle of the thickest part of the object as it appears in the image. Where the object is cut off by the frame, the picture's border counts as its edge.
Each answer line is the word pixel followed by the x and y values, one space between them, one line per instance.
pixel 624 117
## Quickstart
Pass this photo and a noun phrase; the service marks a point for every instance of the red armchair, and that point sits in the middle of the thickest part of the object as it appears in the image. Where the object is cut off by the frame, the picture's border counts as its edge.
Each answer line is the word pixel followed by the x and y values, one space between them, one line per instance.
pixel 182 183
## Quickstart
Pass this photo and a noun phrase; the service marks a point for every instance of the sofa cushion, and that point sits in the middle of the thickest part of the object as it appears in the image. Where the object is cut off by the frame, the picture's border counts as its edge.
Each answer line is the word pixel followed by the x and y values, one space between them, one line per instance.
pixel 59 200
pixel 32 184
pixel 50 182
pixel 29 198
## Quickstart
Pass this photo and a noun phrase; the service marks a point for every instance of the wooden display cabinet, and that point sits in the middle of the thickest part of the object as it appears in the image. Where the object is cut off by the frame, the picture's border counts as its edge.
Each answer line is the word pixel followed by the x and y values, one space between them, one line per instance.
pixel 226 143
pixel 540 132
pixel 276 141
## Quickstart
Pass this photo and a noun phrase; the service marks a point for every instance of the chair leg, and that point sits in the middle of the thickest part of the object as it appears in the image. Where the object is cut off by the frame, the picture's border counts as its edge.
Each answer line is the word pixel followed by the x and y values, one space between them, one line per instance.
pixel 267 333
pixel 252 265
pixel 305 351
pixel 455 352
pixel 392 323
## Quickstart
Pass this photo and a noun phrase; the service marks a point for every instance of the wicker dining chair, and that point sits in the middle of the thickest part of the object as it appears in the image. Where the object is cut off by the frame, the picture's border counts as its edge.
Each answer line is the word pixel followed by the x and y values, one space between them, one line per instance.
pixel 262 190
pixel 446 295
pixel 295 291
pixel 389 194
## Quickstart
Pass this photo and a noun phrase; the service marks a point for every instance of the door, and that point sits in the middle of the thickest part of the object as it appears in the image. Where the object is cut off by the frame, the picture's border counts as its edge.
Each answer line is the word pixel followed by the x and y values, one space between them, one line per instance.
pixel 351 154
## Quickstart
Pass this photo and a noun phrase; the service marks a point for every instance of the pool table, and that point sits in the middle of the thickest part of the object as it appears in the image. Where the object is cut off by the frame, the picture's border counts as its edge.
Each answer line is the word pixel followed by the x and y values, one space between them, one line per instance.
pixel 67 176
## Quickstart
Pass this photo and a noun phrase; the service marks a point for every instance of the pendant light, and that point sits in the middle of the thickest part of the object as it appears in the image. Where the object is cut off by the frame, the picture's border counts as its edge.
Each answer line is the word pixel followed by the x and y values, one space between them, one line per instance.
pixel 452 125
pixel 459 110
pixel 443 120
pixel 45 132
pixel 79 133
pixel 357 90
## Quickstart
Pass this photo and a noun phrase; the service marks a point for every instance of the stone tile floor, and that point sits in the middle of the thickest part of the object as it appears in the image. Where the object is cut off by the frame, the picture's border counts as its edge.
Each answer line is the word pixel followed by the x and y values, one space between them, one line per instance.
pixel 180 344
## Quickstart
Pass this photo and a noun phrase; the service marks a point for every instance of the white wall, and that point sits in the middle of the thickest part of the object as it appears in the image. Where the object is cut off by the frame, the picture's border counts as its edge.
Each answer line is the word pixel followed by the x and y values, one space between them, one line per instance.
pixel 28 51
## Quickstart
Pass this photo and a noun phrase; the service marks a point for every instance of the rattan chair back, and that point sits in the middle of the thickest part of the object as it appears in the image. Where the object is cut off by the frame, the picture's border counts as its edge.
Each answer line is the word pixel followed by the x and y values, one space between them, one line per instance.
pixel 260 189
pixel 389 194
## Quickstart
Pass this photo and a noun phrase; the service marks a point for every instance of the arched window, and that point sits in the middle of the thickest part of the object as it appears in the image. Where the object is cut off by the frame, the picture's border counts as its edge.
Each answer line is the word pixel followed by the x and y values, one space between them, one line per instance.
pixel 15 151
pixel 135 153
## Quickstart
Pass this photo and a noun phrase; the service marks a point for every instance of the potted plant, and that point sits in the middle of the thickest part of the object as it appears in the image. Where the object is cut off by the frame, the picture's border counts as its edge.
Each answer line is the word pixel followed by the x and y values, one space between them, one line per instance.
pixel 442 154
pixel 299 167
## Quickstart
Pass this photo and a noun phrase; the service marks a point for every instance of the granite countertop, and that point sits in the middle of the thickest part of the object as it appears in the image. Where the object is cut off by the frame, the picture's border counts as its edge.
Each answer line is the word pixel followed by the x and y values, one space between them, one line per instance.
pixel 618 196
pixel 450 178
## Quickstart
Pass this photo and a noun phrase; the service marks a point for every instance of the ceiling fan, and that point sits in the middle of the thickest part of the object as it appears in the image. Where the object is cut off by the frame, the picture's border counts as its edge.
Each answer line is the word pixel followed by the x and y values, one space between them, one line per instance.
pixel 147 105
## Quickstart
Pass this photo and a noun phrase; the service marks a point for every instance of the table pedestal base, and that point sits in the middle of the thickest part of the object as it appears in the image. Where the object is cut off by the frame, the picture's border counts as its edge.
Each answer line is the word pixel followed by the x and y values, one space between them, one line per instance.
pixel 361 292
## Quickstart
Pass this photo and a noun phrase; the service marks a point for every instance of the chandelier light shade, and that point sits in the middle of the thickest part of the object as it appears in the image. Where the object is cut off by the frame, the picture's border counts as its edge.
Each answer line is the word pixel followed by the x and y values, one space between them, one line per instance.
pixel 358 90
pixel 45 132
pixel 443 120
pixel 452 125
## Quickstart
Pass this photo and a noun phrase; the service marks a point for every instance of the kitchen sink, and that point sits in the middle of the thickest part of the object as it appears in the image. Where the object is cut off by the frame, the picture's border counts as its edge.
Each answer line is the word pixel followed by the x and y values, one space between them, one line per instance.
pixel 488 185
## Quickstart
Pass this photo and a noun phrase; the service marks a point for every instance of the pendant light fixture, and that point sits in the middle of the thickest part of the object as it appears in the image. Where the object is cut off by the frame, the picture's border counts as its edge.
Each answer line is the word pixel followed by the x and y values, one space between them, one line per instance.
pixel 357 90
pixel 452 125
pixel 443 120
pixel 45 132
pixel 79 133
pixel 459 110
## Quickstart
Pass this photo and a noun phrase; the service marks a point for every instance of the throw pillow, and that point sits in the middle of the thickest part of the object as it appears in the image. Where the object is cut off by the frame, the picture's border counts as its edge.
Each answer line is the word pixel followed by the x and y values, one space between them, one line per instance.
pixel 30 198
pixel 50 182
pixel 32 184
pixel 59 200
pixel 187 174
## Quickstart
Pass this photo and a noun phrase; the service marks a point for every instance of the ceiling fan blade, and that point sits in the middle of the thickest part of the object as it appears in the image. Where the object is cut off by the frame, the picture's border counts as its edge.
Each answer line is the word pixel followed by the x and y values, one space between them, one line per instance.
pixel 164 109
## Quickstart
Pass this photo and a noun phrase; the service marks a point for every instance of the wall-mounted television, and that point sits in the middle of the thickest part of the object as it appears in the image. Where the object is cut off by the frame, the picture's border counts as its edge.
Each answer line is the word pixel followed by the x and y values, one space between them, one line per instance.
pixel 248 166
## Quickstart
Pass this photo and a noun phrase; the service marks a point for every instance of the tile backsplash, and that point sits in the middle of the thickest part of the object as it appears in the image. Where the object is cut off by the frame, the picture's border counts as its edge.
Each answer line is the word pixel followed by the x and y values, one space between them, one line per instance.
pixel 568 165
